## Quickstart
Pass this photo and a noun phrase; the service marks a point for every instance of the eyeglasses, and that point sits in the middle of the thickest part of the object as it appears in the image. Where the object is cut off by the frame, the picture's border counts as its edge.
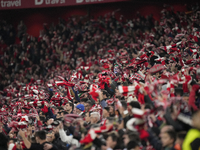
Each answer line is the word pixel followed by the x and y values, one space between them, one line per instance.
pixel 86 105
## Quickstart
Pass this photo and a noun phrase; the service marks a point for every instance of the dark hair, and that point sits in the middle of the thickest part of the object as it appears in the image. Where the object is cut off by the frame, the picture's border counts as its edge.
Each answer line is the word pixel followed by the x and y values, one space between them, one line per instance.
pixel 60 108
pixel 107 108
pixel 89 113
pixel 135 104
pixel 71 105
pixel 42 118
pixel 33 140
pixel 41 134
pixel 3 141
pixel 96 71
pixel 89 102
pixel 84 100
pixel 12 139
pixel 106 93
pixel 113 136
pixel 172 134
pixel 64 112
pixel 133 136
pixel 181 135
pixel 132 144
pixel 124 104
pixel 147 106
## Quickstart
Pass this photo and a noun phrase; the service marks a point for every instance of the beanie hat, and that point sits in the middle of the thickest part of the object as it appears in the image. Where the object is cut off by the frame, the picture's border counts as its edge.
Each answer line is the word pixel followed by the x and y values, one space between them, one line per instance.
pixel 80 107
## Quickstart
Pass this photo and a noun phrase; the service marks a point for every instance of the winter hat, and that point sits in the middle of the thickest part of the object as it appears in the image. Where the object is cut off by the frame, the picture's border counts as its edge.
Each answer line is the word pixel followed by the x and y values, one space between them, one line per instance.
pixel 80 107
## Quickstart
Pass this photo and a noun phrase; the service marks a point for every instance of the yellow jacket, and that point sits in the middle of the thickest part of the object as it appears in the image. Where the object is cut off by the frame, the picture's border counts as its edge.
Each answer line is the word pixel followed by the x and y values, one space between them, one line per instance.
pixel 192 135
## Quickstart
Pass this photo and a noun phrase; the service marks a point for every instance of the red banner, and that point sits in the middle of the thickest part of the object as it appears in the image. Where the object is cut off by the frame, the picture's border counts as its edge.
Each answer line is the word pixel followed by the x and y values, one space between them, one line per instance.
pixel 19 4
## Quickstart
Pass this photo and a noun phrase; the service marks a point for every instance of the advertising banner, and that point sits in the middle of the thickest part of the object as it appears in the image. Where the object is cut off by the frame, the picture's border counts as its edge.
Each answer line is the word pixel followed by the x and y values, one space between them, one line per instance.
pixel 20 4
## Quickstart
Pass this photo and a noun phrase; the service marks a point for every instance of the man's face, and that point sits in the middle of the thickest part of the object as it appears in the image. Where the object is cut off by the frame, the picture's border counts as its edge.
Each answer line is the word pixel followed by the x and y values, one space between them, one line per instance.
pixel 77 111
pixel 83 103
pixel 185 99
pixel 87 117
pixel 166 140
pixel 37 139
pixel 105 113
pixel 93 119
pixel 49 137
pixel 55 111
pixel 87 107
pixel 126 139
pixel 104 96
pixel 110 143
pixel 111 111
pixel 58 115
pixel 62 114
pixel 68 107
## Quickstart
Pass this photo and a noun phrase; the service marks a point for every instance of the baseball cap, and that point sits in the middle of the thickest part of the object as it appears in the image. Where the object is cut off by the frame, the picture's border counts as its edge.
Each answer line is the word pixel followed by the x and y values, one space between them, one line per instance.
pixel 80 107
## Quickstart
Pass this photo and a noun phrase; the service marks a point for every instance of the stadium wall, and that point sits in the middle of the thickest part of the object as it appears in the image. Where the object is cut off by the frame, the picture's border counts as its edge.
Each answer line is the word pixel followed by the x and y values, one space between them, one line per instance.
pixel 34 18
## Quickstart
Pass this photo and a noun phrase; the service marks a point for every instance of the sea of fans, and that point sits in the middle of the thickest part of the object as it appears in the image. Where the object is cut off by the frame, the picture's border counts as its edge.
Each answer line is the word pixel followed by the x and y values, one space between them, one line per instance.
pixel 102 84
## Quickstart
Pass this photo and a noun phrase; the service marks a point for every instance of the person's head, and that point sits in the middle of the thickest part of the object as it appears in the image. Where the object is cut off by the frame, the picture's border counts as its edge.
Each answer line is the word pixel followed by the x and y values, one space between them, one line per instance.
pixel 58 115
pixel 168 138
pixel 60 108
pixel 87 117
pixel 62 113
pixel 105 94
pixel 165 128
pixel 55 109
pixel 94 117
pixel 41 114
pixel 112 139
pixel 111 111
pixel 69 107
pixel 185 97
pixel 106 112
pixel 88 105
pixel 130 136
pixel 124 105
pixel 51 136
pixel 80 108
pixel 196 120
pixel 40 136
pixel 133 145
pixel 12 141
pixel 83 101
pixel 42 119
pixel 180 137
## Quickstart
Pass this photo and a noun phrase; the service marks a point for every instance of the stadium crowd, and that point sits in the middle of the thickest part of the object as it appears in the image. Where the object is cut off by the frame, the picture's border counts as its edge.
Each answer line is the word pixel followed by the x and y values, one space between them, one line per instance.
pixel 106 83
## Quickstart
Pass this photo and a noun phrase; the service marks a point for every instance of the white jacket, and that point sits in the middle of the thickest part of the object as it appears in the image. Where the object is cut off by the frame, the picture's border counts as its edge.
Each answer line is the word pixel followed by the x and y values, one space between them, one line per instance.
pixel 68 139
